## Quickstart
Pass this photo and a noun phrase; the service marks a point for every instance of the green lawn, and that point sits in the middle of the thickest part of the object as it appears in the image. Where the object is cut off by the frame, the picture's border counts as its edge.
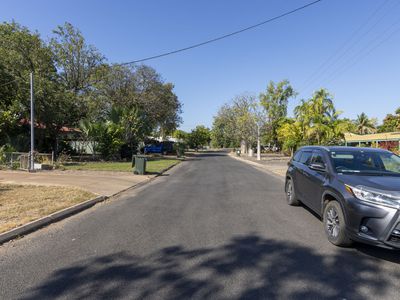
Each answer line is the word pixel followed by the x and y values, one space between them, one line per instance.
pixel 153 166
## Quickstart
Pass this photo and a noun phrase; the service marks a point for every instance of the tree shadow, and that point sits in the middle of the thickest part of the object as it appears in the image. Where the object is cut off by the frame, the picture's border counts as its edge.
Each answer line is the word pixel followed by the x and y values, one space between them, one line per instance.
pixel 247 267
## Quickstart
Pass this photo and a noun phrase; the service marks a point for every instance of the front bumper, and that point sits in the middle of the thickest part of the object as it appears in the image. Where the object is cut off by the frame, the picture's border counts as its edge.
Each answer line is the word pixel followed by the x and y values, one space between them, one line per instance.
pixel 382 224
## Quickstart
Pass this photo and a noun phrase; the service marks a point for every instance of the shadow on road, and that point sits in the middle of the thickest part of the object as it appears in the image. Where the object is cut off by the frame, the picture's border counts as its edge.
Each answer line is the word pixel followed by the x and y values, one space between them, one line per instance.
pixel 247 267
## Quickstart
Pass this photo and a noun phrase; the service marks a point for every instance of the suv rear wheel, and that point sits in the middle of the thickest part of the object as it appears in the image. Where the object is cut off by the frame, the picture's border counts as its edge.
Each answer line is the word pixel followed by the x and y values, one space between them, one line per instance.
pixel 290 193
pixel 334 224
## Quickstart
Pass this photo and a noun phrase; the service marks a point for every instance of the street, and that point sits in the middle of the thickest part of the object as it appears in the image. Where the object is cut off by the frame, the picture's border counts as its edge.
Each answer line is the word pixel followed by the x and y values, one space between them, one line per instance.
pixel 212 227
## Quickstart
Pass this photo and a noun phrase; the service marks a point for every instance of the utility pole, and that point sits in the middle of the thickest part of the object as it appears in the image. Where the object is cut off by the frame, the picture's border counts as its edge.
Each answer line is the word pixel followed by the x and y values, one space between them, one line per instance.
pixel 258 142
pixel 31 156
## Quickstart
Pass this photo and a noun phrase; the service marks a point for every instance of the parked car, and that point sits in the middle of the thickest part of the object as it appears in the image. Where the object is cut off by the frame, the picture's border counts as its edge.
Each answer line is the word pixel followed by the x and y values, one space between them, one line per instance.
pixel 356 192
pixel 159 147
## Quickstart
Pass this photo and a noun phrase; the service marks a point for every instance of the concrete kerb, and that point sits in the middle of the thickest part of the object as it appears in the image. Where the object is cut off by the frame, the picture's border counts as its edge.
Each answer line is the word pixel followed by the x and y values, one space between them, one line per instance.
pixel 52 218
pixel 258 166
pixel 67 212
pixel 144 182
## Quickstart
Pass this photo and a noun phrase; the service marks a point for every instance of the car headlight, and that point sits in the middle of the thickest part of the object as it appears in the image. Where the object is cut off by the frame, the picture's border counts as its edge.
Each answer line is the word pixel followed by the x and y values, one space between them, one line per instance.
pixel 375 196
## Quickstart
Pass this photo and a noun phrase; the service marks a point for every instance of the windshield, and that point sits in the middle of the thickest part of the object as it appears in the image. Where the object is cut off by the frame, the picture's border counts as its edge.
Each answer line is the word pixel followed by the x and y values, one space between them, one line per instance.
pixel 366 162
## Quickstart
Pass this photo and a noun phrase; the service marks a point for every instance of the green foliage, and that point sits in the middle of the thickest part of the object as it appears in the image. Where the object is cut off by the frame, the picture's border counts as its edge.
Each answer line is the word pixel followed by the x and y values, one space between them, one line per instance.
pixel 180 148
pixel 391 122
pixel 77 61
pixel 317 118
pixel 365 125
pixel 198 137
pixel 237 122
pixel 290 134
pixel 316 122
pixel 223 130
pixel 115 106
pixel 180 135
pixel 275 101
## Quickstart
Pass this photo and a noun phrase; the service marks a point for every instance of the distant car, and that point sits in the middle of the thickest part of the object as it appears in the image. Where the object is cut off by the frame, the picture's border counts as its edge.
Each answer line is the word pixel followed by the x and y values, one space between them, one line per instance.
pixel 356 191
pixel 159 148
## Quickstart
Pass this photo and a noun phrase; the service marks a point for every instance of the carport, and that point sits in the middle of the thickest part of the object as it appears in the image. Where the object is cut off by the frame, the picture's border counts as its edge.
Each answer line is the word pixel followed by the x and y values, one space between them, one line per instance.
pixel 373 140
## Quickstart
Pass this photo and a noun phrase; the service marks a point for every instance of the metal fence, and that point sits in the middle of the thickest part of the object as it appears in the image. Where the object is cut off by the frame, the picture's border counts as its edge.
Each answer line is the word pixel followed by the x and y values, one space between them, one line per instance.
pixel 20 160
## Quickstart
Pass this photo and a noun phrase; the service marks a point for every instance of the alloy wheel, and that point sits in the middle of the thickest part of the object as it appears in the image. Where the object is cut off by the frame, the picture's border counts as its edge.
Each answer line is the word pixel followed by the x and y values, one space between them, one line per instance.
pixel 289 191
pixel 332 222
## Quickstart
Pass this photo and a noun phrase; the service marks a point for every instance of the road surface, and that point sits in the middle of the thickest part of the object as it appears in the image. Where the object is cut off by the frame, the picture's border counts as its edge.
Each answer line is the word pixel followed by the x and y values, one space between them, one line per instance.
pixel 213 227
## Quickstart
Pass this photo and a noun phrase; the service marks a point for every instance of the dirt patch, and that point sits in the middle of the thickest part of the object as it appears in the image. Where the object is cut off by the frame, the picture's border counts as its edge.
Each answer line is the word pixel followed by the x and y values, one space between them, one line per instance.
pixel 21 204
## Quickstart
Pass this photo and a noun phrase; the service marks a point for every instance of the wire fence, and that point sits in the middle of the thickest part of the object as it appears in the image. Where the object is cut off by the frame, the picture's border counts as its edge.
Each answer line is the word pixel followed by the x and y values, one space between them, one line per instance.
pixel 20 160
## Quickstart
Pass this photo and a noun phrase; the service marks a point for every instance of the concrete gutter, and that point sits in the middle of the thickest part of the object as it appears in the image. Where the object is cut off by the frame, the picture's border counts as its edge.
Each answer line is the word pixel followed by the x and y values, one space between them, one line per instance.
pixel 67 212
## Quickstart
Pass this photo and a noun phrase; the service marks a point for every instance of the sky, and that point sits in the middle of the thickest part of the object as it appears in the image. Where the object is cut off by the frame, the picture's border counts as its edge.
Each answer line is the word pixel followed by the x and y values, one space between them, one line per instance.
pixel 350 47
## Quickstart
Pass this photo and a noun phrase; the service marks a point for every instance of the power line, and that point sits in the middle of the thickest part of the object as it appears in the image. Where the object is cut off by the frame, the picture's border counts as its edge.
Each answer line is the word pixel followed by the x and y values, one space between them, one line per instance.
pixel 340 64
pixel 352 59
pixel 222 36
pixel 211 40
pixel 338 53
pixel 363 53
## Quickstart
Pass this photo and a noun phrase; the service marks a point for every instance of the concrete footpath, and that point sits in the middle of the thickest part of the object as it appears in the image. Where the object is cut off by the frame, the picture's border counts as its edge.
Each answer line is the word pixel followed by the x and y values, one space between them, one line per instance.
pixel 273 163
pixel 103 183
pixel 99 182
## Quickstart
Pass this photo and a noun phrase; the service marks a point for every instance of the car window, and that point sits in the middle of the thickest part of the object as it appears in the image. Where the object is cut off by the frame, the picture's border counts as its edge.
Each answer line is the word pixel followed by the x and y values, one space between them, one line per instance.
pixel 351 161
pixel 391 163
pixel 297 156
pixel 317 158
pixel 305 157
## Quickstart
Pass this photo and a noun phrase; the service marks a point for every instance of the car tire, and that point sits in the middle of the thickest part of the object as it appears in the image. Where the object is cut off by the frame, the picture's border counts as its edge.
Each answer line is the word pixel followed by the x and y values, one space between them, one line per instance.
pixel 290 193
pixel 334 224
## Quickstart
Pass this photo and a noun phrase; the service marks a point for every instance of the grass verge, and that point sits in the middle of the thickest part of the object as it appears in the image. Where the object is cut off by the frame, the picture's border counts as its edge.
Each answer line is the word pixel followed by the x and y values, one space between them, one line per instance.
pixel 152 166
pixel 21 204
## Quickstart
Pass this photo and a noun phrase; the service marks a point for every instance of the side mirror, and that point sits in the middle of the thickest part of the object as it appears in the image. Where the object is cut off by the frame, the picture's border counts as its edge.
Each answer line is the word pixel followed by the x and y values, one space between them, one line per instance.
pixel 318 167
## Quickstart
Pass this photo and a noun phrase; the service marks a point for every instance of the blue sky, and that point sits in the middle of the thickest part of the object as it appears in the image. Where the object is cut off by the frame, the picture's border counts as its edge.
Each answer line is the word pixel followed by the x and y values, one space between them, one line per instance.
pixel 360 37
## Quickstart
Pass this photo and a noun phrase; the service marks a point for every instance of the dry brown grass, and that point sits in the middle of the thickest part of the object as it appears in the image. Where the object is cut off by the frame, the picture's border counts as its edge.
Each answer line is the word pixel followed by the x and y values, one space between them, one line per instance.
pixel 20 204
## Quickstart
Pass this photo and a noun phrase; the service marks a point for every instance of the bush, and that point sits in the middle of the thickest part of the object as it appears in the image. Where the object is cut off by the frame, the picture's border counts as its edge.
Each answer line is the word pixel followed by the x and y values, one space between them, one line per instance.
pixel 3 150
pixel 180 148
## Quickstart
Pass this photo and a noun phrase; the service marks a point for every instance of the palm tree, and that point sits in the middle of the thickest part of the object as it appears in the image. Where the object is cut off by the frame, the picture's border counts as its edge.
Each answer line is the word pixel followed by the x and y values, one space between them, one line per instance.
pixel 316 116
pixel 364 125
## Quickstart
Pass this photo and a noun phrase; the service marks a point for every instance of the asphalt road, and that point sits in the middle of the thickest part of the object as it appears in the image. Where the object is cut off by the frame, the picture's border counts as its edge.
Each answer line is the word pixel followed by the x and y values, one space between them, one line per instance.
pixel 214 227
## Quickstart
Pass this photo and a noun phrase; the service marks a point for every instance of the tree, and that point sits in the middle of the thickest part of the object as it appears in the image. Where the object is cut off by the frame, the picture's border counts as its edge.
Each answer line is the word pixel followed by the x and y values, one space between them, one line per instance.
pixel 75 87
pixel 391 122
pixel 290 135
pixel 199 137
pixel 365 125
pixel 180 135
pixel 236 123
pixel 23 52
pixel 275 101
pixel 245 127
pixel 223 130
pixel 317 117
pixel 77 61
pixel 169 110
pixel 141 88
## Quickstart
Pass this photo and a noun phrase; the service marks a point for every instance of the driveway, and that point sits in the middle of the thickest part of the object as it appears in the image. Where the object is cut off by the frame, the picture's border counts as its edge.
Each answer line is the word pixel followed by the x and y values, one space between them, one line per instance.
pixel 98 182
pixel 213 227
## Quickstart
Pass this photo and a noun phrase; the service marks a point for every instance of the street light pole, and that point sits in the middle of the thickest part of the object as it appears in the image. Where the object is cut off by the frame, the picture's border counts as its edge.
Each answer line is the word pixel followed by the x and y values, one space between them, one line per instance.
pixel 258 143
pixel 31 156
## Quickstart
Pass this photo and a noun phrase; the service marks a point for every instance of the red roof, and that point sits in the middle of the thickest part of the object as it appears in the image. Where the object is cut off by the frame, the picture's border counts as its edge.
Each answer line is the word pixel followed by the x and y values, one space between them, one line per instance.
pixel 43 126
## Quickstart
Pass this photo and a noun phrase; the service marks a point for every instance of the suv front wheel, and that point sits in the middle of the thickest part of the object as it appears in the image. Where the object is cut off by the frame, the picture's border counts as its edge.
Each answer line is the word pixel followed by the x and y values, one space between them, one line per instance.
pixel 290 193
pixel 334 224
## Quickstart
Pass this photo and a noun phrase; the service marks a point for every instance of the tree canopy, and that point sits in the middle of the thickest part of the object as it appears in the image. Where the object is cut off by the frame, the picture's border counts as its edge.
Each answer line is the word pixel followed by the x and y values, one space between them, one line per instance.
pixel 316 120
pixel 75 87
